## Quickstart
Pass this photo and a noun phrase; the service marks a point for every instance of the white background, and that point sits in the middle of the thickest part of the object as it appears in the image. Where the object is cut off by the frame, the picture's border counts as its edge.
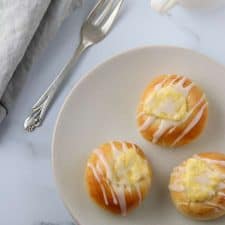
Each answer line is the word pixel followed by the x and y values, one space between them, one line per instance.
pixel 28 194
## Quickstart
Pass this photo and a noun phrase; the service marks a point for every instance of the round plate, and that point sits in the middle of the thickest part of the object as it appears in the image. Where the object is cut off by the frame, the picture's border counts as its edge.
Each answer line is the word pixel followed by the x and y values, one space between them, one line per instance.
pixel 102 107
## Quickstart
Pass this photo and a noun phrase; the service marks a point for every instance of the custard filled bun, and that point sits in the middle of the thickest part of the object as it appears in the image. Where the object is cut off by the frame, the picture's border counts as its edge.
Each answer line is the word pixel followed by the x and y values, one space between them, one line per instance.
pixel 197 186
pixel 118 176
pixel 172 112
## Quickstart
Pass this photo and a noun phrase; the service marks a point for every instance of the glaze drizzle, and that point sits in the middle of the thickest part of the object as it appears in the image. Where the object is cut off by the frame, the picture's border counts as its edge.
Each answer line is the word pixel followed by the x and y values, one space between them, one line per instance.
pixel 117 190
pixel 169 126
pixel 179 187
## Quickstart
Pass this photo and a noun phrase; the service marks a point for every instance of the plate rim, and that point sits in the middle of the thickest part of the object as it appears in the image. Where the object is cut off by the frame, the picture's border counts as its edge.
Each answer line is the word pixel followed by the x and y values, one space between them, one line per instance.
pixel 82 79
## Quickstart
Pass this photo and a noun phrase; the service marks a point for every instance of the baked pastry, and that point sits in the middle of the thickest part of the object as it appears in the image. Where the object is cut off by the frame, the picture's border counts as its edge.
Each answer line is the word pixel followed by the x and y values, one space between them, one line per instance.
pixel 118 176
pixel 172 112
pixel 197 186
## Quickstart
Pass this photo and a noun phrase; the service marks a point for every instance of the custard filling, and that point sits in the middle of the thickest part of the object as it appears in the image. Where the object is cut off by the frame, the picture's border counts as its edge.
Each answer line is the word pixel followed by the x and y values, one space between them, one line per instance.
pixel 130 168
pixel 200 180
pixel 166 103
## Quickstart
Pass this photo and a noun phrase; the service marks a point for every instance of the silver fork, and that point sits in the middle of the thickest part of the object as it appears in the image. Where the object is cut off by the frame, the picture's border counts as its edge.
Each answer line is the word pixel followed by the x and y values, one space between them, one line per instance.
pixel 94 29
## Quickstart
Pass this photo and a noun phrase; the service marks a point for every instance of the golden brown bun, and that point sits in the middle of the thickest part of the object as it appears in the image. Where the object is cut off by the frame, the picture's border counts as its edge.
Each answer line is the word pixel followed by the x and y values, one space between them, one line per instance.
pixel 118 176
pixel 208 207
pixel 181 132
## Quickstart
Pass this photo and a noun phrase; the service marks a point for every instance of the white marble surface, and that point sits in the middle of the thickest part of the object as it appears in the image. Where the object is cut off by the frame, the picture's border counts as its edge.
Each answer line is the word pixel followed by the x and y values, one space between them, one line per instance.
pixel 27 189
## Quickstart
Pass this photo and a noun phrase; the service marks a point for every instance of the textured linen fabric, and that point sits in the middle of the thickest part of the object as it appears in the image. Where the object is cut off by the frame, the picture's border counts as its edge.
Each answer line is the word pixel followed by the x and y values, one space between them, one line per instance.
pixel 26 26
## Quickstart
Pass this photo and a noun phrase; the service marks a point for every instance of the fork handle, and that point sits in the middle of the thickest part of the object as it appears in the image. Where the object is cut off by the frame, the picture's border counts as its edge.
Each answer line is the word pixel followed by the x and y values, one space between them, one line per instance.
pixel 41 107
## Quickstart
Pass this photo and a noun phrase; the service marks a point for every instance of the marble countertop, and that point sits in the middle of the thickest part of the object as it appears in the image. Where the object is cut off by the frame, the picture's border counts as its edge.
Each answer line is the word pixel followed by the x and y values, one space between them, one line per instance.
pixel 27 188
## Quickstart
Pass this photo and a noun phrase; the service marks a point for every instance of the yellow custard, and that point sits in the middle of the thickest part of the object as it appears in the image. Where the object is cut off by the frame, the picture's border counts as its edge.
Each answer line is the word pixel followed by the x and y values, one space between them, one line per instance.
pixel 166 103
pixel 200 180
pixel 130 168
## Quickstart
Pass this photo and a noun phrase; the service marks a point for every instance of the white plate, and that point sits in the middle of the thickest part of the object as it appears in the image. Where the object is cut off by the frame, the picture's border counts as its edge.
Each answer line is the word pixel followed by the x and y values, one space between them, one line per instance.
pixel 102 108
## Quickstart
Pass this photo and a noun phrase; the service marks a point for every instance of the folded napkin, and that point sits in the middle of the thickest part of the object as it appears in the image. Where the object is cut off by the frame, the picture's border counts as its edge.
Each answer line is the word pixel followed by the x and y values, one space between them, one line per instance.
pixel 26 26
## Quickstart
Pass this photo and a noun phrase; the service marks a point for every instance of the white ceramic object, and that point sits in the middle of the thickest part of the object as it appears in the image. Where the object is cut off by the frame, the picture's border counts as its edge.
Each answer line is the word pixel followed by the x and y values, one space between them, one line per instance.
pixel 163 6
pixel 102 107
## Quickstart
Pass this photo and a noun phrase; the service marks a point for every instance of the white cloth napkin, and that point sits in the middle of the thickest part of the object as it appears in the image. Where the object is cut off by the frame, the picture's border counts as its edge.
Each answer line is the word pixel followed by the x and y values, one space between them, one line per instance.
pixel 26 26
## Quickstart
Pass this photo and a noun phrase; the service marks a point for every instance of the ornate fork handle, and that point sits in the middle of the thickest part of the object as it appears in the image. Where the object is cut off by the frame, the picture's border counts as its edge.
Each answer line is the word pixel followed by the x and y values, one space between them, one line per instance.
pixel 41 107
pixel 94 29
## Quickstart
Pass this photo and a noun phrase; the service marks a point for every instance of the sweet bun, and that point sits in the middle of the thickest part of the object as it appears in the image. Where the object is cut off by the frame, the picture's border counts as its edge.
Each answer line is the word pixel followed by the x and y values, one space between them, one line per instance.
pixel 118 176
pixel 172 112
pixel 197 186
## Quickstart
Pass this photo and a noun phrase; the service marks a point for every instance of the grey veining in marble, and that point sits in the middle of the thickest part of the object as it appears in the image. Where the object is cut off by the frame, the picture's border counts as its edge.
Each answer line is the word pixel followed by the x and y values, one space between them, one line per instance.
pixel 27 188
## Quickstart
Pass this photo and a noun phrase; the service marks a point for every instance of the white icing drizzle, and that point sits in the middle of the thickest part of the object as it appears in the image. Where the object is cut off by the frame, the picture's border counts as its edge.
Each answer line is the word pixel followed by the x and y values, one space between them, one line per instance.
pixel 211 161
pixel 113 195
pixel 98 168
pixel 179 170
pixel 214 205
pixel 192 124
pixel 129 189
pixel 94 172
pixel 157 87
pixel 117 191
pixel 100 155
pixel 179 86
pixel 134 147
pixel 221 194
pixel 221 185
pixel 172 130
pixel 163 127
pixel 120 192
pixel 167 124
pixel 124 146
pixel 201 100
pixel 160 85
pixel 104 194
pixel 114 150
pixel 173 81
pixel 147 123
pixel 150 120
pixel 140 115
pixel 137 186
pixel 170 125
pixel 99 182
pixel 207 204
pixel 176 187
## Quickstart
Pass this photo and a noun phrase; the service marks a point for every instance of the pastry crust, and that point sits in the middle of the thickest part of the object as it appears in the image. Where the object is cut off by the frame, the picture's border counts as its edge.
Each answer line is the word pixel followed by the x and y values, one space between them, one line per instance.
pixel 213 205
pixel 174 133
pixel 107 176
